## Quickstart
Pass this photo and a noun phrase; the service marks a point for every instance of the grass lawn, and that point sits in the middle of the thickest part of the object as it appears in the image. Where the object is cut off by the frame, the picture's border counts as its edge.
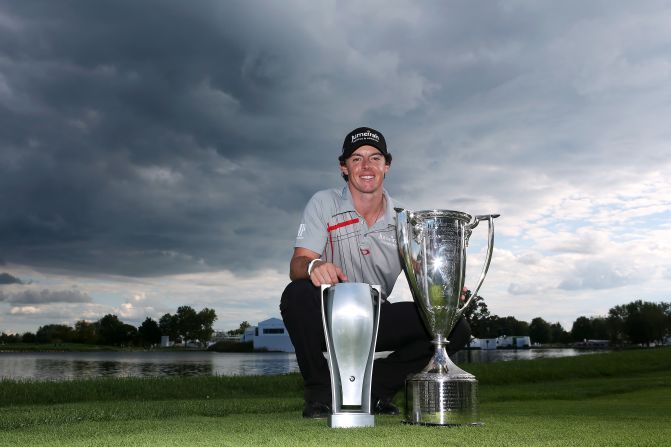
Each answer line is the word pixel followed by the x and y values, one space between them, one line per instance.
pixel 619 399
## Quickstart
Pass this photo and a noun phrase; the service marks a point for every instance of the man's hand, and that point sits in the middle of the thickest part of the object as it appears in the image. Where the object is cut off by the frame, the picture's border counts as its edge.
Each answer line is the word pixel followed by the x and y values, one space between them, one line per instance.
pixel 326 273
pixel 322 272
pixel 465 294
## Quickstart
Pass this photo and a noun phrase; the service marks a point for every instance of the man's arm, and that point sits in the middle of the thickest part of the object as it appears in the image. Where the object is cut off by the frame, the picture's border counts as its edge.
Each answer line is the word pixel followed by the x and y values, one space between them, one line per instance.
pixel 322 272
pixel 298 268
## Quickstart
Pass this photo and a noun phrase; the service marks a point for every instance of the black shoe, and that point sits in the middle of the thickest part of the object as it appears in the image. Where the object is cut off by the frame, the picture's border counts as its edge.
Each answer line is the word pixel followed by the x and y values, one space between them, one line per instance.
pixel 316 410
pixel 383 405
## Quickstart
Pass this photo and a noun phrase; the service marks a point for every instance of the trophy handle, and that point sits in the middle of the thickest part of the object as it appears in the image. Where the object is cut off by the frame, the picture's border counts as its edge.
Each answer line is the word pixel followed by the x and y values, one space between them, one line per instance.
pixel 488 257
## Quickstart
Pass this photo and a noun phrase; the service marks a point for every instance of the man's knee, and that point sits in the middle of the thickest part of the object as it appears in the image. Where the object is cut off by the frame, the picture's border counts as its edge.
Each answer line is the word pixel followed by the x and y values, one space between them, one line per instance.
pixel 297 294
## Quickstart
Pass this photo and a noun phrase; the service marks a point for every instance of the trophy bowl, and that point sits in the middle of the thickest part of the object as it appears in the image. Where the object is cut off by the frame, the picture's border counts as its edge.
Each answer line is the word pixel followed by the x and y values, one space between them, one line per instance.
pixel 432 246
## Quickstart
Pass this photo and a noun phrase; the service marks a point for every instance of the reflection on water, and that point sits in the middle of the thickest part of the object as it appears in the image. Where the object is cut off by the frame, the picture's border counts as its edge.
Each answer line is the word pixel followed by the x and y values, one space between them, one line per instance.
pixel 504 355
pixel 77 365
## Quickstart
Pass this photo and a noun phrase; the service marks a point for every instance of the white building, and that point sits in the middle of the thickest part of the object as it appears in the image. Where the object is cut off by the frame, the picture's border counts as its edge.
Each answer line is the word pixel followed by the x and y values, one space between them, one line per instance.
pixel 514 341
pixel 248 335
pixel 270 335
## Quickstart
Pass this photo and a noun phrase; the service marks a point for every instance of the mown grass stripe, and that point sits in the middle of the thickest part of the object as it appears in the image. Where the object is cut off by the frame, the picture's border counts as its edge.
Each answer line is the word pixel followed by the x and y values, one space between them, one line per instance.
pixel 524 372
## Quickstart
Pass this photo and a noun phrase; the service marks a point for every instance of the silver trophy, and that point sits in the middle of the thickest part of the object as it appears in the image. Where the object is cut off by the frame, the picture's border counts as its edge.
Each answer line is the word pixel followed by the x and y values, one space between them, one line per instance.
pixel 432 245
pixel 351 316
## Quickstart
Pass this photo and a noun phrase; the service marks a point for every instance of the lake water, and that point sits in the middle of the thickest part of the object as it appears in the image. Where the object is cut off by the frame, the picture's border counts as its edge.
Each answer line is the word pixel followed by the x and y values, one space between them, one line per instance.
pixel 76 365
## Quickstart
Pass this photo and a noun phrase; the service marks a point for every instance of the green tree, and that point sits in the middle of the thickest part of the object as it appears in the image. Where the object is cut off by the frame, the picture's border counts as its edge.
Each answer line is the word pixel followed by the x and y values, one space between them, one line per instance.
pixel 582 329
pixel 111 330
pixel 206 318
pixel 149 332
pixel 667 311
pixel 491 327
pixel 85 332
pixel 169 327
pixel 54 333
pixel 599 328
pixel 129 335
pixel 520 328
pixel 241 329
pixel 616 324
pixel 558 334
pixel 187 323
pixel 494 326
pixel 478 317
pixel 28 337
pixel 645 322
pixel 9 338
pixel 511 326
pixel 539 331
pixel 638 322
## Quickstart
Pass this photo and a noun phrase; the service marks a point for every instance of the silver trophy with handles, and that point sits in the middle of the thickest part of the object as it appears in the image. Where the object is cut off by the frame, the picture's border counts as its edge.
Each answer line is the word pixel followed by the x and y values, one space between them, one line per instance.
pixel 432 245
pixel 351 317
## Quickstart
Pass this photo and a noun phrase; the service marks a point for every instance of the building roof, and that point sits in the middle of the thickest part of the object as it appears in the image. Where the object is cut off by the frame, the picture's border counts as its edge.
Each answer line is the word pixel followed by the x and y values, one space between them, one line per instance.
pixel 271 322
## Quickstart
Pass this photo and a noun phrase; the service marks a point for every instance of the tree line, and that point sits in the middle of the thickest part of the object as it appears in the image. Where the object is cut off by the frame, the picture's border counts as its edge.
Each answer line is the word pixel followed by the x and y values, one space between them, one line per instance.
pixel 186 325
pixel 638 322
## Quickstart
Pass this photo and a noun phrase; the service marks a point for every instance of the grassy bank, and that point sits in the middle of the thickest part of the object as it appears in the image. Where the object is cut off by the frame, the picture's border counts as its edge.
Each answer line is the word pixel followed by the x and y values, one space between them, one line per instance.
pixel 226 346
pixel 58 347
pixel 83 347
pixel 603 399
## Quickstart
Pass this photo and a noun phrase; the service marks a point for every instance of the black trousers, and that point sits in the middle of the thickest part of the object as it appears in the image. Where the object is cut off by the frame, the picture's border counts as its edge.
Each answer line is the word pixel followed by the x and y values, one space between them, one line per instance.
pixel 401 330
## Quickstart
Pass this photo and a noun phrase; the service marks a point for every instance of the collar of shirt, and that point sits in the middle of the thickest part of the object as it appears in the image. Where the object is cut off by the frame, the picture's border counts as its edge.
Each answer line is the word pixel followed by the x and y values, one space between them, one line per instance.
pixel 389 216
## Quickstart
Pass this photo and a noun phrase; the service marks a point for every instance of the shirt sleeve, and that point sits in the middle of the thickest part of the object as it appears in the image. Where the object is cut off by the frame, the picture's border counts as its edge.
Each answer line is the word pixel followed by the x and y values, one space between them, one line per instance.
pixel 312 231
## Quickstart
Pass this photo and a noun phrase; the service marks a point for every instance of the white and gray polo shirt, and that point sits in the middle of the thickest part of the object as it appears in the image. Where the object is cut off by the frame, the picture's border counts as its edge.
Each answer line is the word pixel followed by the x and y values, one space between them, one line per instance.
pixel 331 226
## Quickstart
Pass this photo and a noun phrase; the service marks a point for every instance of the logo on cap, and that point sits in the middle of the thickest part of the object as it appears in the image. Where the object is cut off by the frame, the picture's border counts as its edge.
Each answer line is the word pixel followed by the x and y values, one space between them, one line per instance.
pixel 368 135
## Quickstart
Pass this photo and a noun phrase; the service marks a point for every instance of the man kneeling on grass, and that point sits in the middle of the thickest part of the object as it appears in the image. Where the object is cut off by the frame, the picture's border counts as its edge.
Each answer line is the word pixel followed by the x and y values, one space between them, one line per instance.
pixel 349 234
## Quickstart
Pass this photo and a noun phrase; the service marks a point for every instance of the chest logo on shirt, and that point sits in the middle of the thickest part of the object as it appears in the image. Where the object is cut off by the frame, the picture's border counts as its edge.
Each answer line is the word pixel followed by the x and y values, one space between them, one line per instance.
pixel 365 251
pixel 387 240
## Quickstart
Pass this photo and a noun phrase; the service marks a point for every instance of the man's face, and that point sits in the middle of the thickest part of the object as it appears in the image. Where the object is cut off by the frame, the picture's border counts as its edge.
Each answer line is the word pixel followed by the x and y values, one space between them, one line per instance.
pixel 365 168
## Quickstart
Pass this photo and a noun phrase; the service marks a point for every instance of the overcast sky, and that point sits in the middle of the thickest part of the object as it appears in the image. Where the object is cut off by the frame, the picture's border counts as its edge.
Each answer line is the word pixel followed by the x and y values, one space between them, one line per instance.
pixel 159 153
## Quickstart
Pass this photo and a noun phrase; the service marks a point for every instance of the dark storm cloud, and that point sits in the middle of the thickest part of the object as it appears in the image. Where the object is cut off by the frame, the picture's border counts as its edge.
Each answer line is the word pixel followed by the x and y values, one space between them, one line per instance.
pixel 6 278
pixel 156 137
pixel 45 296
pixel 145 137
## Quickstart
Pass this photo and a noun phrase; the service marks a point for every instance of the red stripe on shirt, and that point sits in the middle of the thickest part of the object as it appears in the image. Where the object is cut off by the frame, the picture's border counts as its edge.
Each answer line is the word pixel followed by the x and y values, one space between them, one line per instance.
pixel 342 224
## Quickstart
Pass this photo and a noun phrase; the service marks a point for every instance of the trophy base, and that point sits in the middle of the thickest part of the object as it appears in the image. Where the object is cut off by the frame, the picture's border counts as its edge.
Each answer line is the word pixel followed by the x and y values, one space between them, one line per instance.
pixel 351 420
pixel 439 399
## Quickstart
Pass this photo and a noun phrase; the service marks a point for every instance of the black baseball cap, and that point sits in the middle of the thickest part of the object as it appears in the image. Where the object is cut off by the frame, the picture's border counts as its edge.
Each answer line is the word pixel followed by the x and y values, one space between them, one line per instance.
pixel 364 136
